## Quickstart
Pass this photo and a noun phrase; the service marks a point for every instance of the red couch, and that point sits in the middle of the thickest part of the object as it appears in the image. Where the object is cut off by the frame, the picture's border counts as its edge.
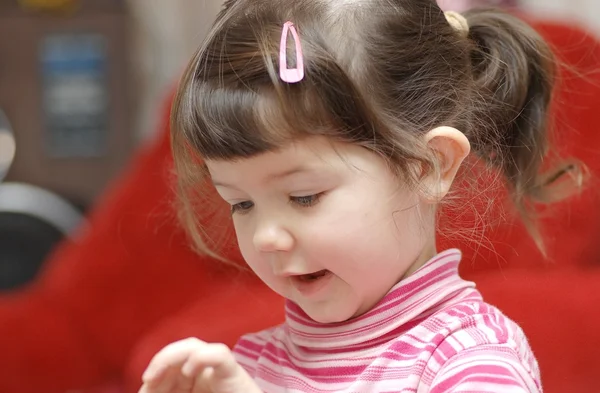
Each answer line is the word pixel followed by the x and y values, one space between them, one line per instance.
pixel 107 302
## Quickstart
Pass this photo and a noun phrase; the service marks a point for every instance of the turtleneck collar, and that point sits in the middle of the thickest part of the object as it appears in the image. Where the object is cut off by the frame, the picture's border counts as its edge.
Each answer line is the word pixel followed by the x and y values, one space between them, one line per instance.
pixel 406 304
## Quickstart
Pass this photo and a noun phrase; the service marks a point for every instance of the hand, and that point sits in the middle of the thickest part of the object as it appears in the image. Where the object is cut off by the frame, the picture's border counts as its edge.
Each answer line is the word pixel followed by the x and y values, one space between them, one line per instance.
pixel 193 366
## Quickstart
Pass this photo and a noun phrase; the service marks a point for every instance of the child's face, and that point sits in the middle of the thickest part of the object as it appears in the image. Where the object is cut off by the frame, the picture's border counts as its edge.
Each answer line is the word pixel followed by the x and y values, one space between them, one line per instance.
pixel 331 208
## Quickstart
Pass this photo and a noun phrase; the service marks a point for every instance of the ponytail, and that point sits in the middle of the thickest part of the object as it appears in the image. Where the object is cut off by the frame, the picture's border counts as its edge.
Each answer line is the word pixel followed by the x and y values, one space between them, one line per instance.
pixel 514 72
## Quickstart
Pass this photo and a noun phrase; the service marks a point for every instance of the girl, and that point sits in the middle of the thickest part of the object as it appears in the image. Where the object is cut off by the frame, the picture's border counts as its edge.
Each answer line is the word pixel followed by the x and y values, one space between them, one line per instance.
pixel 334 129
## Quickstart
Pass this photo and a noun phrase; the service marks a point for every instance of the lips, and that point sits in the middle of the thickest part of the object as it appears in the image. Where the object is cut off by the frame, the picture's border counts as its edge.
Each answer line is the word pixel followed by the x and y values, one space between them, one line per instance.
pixel 313 283
pixel 313 276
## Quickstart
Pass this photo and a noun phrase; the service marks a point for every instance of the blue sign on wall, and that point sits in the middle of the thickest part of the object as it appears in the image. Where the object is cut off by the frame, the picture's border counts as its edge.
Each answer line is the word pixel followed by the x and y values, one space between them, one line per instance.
pixel 75 95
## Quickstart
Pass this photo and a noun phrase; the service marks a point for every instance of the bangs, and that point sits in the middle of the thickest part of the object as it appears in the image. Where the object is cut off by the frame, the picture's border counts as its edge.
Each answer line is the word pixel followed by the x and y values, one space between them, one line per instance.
pixel 232 103
pixel 232 122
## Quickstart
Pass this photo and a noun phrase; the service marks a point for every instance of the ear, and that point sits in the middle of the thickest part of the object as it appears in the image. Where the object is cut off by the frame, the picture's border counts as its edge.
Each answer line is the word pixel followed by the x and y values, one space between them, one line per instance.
pixel 450 147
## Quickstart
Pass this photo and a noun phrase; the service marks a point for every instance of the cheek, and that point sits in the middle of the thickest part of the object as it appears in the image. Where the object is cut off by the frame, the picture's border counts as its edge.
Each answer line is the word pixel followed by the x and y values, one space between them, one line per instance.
pixel 358 240
pixel 345 237
pixel 367 217
pixel 245 241
pixel 255 260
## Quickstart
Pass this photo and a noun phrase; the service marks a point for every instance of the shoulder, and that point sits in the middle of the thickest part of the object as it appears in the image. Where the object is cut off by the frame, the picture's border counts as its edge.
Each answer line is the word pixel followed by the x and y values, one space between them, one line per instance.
pixel 473 323
pixel 481 346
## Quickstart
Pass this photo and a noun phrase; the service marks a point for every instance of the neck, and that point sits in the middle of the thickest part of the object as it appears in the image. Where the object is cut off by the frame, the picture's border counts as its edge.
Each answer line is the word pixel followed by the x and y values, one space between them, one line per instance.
pixel 428 252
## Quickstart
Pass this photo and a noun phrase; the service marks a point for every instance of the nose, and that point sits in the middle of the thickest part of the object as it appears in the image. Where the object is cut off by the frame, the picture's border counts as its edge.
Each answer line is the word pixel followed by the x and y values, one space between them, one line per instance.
pixel 272 237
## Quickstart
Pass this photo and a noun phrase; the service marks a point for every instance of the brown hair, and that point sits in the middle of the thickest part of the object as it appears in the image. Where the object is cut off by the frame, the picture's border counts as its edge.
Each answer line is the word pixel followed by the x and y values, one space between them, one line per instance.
pixel 379 73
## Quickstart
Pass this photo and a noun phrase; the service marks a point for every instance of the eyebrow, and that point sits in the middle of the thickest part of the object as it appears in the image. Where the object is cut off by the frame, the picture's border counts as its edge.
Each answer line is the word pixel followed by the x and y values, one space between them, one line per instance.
pixel 272 177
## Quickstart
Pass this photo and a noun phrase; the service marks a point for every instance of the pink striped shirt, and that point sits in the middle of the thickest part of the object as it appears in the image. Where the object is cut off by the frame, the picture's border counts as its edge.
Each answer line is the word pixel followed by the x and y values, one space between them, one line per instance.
pixel 431 333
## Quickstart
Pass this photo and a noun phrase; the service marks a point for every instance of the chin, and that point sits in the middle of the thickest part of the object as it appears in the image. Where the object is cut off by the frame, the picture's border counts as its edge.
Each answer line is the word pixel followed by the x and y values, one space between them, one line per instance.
pixel 324 316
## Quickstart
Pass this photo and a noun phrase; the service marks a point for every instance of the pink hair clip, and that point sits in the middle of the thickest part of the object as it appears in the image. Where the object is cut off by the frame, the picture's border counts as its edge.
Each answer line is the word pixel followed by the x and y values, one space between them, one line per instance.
pixel 290 75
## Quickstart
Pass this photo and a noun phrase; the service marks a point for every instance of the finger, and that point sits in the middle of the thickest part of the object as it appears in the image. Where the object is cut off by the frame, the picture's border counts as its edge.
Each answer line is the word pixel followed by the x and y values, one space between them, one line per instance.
pixel 173 355
pixel 201 383
pixel 168 382
pixel 183 384
pixel 217 356
pixel 155 376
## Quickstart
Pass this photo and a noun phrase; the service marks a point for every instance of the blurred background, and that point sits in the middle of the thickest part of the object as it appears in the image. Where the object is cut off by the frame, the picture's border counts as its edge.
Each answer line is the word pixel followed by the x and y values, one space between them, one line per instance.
pixel 83 87
pixel 80 84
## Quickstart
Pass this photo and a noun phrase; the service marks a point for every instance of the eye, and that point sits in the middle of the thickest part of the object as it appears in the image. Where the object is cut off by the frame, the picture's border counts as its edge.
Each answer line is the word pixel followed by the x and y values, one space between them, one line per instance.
pixel 306 201
pixel 242 207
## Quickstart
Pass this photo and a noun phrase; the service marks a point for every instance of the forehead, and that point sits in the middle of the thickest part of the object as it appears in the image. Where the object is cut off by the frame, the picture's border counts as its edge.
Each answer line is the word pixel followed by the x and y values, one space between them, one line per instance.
pixel 311 155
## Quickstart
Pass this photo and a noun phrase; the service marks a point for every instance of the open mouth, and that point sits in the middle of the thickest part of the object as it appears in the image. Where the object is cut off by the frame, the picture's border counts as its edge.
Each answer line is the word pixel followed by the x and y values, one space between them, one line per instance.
pixel 312 284
pixel 313 276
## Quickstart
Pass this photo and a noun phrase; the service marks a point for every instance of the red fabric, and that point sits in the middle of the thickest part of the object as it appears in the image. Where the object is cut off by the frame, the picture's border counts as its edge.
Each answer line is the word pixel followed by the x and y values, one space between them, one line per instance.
pixel 130 284
pixel 558 310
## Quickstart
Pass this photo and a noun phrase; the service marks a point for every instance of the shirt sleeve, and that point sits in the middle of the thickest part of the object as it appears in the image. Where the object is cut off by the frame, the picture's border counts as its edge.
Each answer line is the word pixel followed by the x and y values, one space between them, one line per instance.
pixel 483 369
